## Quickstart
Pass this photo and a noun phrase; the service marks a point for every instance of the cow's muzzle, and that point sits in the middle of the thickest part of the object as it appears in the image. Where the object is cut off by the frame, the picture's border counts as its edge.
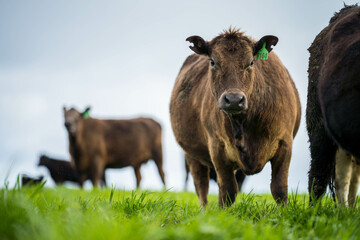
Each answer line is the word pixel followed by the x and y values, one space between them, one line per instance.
pixel 233 102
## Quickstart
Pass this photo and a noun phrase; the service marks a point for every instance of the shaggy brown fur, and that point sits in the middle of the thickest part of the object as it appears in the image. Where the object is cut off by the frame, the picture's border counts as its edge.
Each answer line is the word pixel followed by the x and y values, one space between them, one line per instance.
pixel 96 144
pixel 332 114
pixel 239 175
pixel 234 113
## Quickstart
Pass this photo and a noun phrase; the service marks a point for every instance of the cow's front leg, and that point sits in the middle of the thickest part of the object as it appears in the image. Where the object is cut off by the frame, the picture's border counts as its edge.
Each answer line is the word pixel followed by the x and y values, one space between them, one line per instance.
pixel 225 176
pixel 279 173
pixel 200 175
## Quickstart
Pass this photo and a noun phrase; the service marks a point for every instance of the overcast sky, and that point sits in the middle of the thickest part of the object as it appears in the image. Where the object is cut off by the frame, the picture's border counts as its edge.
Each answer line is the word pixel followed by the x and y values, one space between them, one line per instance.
pixel 122 58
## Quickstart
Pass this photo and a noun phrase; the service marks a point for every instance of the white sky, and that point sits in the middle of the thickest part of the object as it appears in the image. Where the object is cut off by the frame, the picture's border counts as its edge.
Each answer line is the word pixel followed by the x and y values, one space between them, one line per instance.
pixel 122 58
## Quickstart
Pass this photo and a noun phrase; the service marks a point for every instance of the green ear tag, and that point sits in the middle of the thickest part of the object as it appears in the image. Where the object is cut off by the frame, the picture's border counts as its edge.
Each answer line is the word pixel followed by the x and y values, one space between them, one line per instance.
pixel 262 53
pixel 86 114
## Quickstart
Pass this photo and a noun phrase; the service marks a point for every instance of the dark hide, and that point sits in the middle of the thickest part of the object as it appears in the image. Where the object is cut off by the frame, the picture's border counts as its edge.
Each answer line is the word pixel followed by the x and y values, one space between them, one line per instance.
pixel 61 170
pixel 29 181
pixel 332 113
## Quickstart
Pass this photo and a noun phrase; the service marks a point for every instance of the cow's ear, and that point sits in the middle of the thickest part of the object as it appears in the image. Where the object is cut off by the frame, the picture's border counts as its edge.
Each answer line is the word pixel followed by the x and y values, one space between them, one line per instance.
pixel 200 45
pixel 269 40
pixel 64 108
pixel 86 114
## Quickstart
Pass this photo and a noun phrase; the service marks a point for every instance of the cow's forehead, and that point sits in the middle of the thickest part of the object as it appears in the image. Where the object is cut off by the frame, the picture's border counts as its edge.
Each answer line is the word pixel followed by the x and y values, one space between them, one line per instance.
pixel 231 47
pixel 71 111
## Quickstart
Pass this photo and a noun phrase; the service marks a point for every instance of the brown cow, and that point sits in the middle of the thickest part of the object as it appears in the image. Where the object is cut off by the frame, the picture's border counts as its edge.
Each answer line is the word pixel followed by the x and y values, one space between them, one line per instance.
pixel 230 111
pixel 332 113
pixel 96 144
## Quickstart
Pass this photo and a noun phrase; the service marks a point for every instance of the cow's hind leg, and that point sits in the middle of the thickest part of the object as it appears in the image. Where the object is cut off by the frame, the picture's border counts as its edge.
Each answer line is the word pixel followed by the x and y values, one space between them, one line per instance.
pixel 343 169
pixel 323 151
pixel 137 175
pixel 240 177
pixel 187 170
pixel 354 183
pixel 200 175
pixel 158 159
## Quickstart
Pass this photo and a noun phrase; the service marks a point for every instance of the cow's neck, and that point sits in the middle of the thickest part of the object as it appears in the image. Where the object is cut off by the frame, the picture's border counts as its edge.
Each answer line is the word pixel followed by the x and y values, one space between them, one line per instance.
pixel 237 127
pixel 74 150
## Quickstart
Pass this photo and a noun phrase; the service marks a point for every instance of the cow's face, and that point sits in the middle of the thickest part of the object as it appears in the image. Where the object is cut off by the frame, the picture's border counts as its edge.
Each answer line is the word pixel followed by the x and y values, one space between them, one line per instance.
pixel 72 118
pixel 231 67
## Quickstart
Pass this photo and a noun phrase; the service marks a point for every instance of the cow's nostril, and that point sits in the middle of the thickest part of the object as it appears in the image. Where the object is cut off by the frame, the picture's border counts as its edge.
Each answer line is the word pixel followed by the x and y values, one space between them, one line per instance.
pixel 242 100
pixel 227 101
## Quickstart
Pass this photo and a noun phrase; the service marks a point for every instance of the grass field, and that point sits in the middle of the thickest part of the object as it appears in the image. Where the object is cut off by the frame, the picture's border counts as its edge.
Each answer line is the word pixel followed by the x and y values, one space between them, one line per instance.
pixel 61 213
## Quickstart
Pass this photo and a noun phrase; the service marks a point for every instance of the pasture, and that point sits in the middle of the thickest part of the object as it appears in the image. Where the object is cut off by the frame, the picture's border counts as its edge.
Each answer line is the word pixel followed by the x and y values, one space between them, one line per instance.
pixel 61 213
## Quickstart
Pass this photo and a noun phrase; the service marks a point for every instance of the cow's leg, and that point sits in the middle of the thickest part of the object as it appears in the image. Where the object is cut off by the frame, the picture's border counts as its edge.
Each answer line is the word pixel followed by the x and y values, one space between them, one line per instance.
pixel 343 169
pixel 279 172
pixel 240 177
pixel 82 177
pixel 225 176
pixel 200 175
pixel 158 158
pixel 97 171
pixel 137 175
pixel 354 183
pixel 323 151
pixel 103 184
pixel 187 170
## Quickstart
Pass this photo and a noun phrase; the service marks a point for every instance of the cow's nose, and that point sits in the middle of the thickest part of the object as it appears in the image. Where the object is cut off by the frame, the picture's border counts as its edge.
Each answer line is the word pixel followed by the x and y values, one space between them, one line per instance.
pixel 67 124
pixel 233 102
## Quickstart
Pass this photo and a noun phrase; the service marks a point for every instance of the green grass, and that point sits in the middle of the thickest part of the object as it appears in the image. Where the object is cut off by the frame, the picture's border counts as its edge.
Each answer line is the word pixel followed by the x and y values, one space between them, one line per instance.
pixel 61 213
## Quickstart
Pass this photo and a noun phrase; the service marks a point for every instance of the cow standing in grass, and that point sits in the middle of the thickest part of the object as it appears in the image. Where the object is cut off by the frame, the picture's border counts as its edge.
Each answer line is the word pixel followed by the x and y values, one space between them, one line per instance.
pixel 29 181
pixel 61 170
pixel 333 105
pixel 229 111
pixel 97 144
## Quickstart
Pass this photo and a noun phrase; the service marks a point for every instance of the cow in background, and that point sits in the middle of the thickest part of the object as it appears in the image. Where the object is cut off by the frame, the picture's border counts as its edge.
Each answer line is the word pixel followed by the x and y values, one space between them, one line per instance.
pixel 333 103
pixel 96 144
pixel 29 181
pixel 62 171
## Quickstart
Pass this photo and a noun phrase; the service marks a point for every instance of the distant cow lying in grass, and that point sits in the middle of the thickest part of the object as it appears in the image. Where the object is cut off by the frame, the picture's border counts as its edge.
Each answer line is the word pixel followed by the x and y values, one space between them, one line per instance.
pixel 28 181
pixel 230 111
pixel 96 144
pixel 61 170
pixel 332 113
pixel 239 175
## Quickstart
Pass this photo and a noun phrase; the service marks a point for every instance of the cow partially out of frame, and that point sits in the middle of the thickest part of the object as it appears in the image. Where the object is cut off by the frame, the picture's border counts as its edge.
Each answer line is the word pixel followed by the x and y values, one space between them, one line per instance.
pixel 229 111
pixel 333 104
pixel 96 144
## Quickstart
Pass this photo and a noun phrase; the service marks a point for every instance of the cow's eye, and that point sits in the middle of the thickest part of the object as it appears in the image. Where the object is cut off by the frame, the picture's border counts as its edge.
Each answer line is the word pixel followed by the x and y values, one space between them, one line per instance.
pixel 252 63
pixel 212 63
